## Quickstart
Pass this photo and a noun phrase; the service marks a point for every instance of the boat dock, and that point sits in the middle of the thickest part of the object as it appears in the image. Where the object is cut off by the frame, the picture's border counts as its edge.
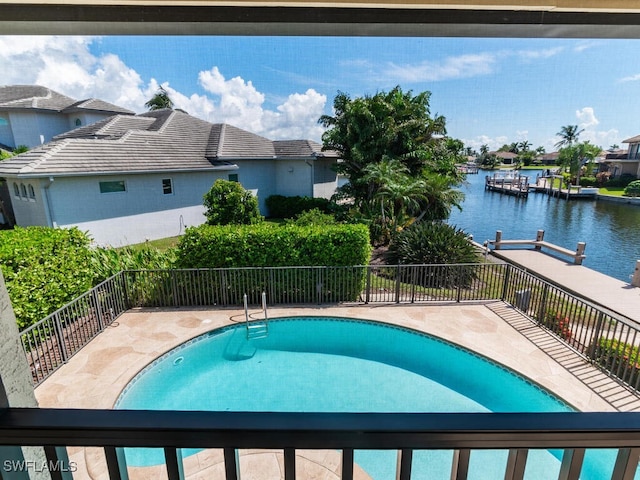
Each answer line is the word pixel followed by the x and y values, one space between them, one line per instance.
pixel 552 186
pixel 510 183
pixel 507 183
pixel 613 294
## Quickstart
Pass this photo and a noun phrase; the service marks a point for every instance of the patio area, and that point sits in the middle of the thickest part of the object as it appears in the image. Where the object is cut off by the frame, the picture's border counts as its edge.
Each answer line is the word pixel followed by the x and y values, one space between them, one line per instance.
pixel 95 376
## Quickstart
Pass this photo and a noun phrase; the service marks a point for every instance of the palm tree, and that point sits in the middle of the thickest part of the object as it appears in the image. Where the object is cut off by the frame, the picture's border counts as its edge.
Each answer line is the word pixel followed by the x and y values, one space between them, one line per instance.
pixel 160 101
pixel 524 146
pixel 568 135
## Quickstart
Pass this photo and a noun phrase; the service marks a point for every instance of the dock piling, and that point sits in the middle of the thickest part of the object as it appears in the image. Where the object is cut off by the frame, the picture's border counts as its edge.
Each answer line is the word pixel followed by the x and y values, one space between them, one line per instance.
pixel 635 278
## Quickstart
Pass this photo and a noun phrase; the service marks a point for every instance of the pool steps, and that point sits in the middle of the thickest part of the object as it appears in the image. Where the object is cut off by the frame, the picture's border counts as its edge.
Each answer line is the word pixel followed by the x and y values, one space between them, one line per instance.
pixel 256 328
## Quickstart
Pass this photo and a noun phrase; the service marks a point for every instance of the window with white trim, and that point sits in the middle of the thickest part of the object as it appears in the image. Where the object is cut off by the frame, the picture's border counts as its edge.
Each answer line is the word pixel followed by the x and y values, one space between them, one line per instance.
pixel 32 193
pixel 16 190
pixel 23 191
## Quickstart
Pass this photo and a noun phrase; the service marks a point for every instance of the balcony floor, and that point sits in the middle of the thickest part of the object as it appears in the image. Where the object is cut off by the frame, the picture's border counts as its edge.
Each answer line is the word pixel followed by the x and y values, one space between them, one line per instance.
pixel 94 377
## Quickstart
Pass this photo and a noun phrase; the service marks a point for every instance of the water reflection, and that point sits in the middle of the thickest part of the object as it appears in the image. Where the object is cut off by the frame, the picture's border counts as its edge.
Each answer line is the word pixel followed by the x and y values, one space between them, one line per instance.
pixel 610 230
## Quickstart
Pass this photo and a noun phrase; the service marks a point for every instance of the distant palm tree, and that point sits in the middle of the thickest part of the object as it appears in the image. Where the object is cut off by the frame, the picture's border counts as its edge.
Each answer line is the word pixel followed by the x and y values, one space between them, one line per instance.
pixel 524 146
pixel 568 135
pixel 160 101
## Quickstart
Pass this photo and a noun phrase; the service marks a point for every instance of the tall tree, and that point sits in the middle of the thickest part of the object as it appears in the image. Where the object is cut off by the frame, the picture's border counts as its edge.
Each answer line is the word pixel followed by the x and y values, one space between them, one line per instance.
pixel 160 101
pixel 393 125
pixel 568 135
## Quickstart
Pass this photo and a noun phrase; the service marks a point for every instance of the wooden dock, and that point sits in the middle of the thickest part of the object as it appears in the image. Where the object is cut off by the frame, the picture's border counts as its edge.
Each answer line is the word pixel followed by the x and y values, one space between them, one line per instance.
pixel 516 185
pixel 552 186
pixel 611 293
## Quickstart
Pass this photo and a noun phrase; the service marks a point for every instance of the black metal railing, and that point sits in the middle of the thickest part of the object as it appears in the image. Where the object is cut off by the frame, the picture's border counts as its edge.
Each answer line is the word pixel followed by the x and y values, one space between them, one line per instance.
pixel 603 337
pixel 406 433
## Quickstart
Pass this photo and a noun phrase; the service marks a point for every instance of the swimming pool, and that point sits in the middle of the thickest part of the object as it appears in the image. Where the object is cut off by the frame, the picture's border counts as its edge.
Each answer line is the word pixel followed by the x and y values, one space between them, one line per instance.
pixel 337 364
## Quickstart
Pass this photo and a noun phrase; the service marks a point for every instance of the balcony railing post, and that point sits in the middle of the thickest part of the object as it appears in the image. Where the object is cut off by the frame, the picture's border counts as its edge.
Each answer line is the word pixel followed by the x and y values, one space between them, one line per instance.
pixel 542 308
pixel 505 285
pixel 231 464
pixel 60 337
pixel 460 464
pixel 403 466
pixel 597 332
pixel 571 466
pixel 347 464
pixel 125 289
pixel 516 463
pixel 626 464
pixel 289 464
pixel 98 308
pixel 367 294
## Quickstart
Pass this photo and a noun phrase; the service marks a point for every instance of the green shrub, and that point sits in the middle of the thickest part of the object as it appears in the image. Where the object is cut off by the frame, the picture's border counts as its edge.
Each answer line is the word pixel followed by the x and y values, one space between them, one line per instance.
pixel 312 217
pixel 266 245
pixel 435 243
pixel 588 182
pixel 279 246
pixel 621 181
pixel 106 262
pixel 227 203
pixel 620 358
pixel 633 189
pixel 44 268
pixel 280 206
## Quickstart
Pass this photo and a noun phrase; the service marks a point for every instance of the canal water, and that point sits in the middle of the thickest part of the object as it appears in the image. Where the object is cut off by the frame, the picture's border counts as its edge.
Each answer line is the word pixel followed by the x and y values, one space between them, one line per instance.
pixel 610 230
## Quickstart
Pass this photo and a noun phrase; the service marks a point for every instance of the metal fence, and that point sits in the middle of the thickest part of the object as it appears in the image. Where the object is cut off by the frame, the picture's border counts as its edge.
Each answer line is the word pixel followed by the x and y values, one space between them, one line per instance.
pixel 601 336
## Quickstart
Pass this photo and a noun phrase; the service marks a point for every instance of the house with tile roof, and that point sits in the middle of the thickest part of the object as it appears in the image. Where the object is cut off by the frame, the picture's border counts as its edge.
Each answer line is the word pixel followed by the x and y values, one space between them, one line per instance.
pixel 129 178
pixel 32 115
pixel 622 162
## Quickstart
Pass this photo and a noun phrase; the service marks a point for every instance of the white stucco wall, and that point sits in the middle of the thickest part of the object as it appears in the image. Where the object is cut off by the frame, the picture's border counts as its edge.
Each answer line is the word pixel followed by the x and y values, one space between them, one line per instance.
pixel 258 176
pixel 28 126
pixel 293 178
pixel 27 210
pixel 325 179
pixel 141 212
pixel 130 229
pixel 6 135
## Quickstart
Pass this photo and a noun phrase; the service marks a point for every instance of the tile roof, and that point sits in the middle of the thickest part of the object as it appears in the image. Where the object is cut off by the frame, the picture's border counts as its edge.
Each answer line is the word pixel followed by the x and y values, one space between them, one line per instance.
pixel 635 139
pixel 158 141
pixel 36 97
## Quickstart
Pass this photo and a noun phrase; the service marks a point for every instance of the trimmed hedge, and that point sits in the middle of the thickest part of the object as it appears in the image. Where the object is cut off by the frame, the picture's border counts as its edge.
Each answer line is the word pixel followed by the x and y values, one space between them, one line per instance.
pixel 227 246
pixel 280 206
pixel 271 246
pixel 44 269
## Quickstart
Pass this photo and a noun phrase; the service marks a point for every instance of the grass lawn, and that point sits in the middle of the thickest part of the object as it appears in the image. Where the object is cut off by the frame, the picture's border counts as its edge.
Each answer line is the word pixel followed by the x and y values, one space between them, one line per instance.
pixel 163 244
pixel 613 191
pixel 160 244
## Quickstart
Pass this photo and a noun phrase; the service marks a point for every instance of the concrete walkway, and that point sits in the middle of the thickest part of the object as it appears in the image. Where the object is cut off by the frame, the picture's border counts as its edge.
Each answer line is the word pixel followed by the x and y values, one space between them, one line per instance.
pixel 615 295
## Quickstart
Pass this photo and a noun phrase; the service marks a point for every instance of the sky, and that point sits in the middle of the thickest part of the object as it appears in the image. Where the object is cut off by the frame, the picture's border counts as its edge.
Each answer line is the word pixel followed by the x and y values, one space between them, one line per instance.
pixel 491 91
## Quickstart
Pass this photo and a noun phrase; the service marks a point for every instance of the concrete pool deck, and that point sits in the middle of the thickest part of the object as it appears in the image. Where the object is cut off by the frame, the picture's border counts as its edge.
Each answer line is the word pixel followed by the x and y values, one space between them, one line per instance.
pixel 95 376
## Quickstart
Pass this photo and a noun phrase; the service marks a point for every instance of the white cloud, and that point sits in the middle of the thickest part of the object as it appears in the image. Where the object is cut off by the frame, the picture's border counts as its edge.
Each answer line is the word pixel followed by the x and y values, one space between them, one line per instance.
pixel 587 118
pixel 462 66
pixel 66 65
pixel 631 78
pixel 529 55
pixel 493 143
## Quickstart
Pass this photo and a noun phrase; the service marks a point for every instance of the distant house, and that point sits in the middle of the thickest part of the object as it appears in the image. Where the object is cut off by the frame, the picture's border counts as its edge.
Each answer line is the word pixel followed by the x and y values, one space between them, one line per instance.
pixel 623 162
pixel 507 158
pixel 131 178
pixel 32 115
pixel 548 158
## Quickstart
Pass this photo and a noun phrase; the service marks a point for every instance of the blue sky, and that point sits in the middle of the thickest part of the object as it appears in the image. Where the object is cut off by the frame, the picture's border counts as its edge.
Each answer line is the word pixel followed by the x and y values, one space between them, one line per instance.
pixel 492 91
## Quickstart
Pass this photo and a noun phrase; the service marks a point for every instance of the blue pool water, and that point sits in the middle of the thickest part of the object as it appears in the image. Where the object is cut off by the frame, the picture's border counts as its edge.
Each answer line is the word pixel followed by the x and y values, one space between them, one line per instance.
pixel 333 365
